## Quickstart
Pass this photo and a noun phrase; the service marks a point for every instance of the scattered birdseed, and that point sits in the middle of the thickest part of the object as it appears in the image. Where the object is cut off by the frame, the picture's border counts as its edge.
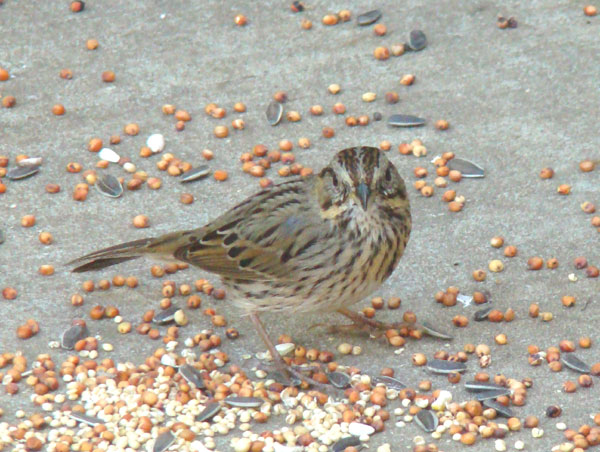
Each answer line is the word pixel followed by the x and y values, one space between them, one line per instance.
pixel 21 172
pixel 163 441
pixel 573 362
pixel 192 375
pixel 244 402
pixel 440 366
pixel 70 337
pixel 84 418
pixel 416 40
pixel 427 420
pixel 274 113
pixel 368 18
pixel 400 120
pixel 466 168
pixel 340 380
pixel 209 411
pixel 284 349
pixel 109 155
pixel 109 186
pixel 480 386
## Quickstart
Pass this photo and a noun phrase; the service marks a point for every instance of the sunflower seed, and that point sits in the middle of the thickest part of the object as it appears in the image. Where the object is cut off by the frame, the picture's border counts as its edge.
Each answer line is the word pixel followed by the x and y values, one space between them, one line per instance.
pixel 166 315
pixel 21 172
pixel 416 40
pixel 427 420
pixel 109 186
pixel 466 168
pixel 274 113
pixel 195 174
pixel 344 443
pixel 2 237
pixel 492 394
pixel 340 380
pixel 109 155
pixel 163 441
pixel 244 402
pixel 405 121
pixel 482 314
pixel 431 331
pixel 466 300
pixel 368 18
pixel 284 380
pixel 192 375
pixel 210 411
pixel 390 382
pixel 169 359
pixel 84 418
pixel 574 363
pixel 477 386
pixel 31 161
pixel 156 142
pixel 442 366
pixel 358 429
pixel 500 409
pixel 70 336
pixel 286 348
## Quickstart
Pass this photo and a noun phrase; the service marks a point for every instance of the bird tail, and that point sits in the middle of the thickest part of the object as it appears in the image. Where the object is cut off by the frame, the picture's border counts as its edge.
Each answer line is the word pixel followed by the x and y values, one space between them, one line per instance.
pixel 163 247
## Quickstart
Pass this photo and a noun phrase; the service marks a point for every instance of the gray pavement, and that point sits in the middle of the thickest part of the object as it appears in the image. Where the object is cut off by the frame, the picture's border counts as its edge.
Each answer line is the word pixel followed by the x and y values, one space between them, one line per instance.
pixel 517 100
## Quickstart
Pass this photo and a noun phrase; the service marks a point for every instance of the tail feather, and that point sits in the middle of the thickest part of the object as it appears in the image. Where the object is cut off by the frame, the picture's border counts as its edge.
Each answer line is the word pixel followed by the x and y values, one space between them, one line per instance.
pixel 111 256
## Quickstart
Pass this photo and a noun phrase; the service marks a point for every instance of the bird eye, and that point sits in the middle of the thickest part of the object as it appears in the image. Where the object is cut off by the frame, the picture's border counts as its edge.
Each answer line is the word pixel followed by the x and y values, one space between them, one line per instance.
pixel 334 180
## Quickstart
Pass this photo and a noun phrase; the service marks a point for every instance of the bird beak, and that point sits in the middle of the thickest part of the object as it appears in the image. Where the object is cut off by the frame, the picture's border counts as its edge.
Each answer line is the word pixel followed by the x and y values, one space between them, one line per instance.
pixel 363 194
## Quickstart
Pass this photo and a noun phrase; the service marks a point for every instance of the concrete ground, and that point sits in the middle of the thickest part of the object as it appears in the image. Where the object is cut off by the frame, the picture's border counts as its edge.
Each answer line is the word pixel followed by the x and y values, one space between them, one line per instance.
pixel 517 100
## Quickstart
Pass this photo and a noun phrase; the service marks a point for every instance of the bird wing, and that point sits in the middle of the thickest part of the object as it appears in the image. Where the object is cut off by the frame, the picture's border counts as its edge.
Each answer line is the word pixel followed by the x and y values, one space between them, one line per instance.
pixel 264 238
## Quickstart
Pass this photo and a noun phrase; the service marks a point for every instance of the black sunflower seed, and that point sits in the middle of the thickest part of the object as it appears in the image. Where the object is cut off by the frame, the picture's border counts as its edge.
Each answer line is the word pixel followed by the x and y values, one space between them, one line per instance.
pixel 442 366
pixel 389 382
pixel 368 18
pixel 576 364
pixel 2 237
pixel 244 402
pixel 416 40
pixel 340 380
pixel 195 174
pixel 477 386
pixel 163 441
pixel 499 408
pixel 466 168
pixel 84 418
pixel 482 314
pixel 21 172
pixel 274 113
pixel 344 443
pixel 31 161
pixel 433 332
pixel 69 337
pixel 210 411
pixel 399 120
pixel 192 375
pixel 491 394
pixel 109 186
pixel 427 420
pixel 166 315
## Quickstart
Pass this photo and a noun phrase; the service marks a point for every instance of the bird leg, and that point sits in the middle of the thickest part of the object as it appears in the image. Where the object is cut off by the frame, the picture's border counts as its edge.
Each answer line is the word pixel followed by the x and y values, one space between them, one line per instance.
pixel 281 365
pixel 362 323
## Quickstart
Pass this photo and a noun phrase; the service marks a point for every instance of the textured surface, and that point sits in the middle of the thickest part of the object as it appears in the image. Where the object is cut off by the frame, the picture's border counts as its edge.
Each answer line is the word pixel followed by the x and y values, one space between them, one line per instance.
pixel 517 100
